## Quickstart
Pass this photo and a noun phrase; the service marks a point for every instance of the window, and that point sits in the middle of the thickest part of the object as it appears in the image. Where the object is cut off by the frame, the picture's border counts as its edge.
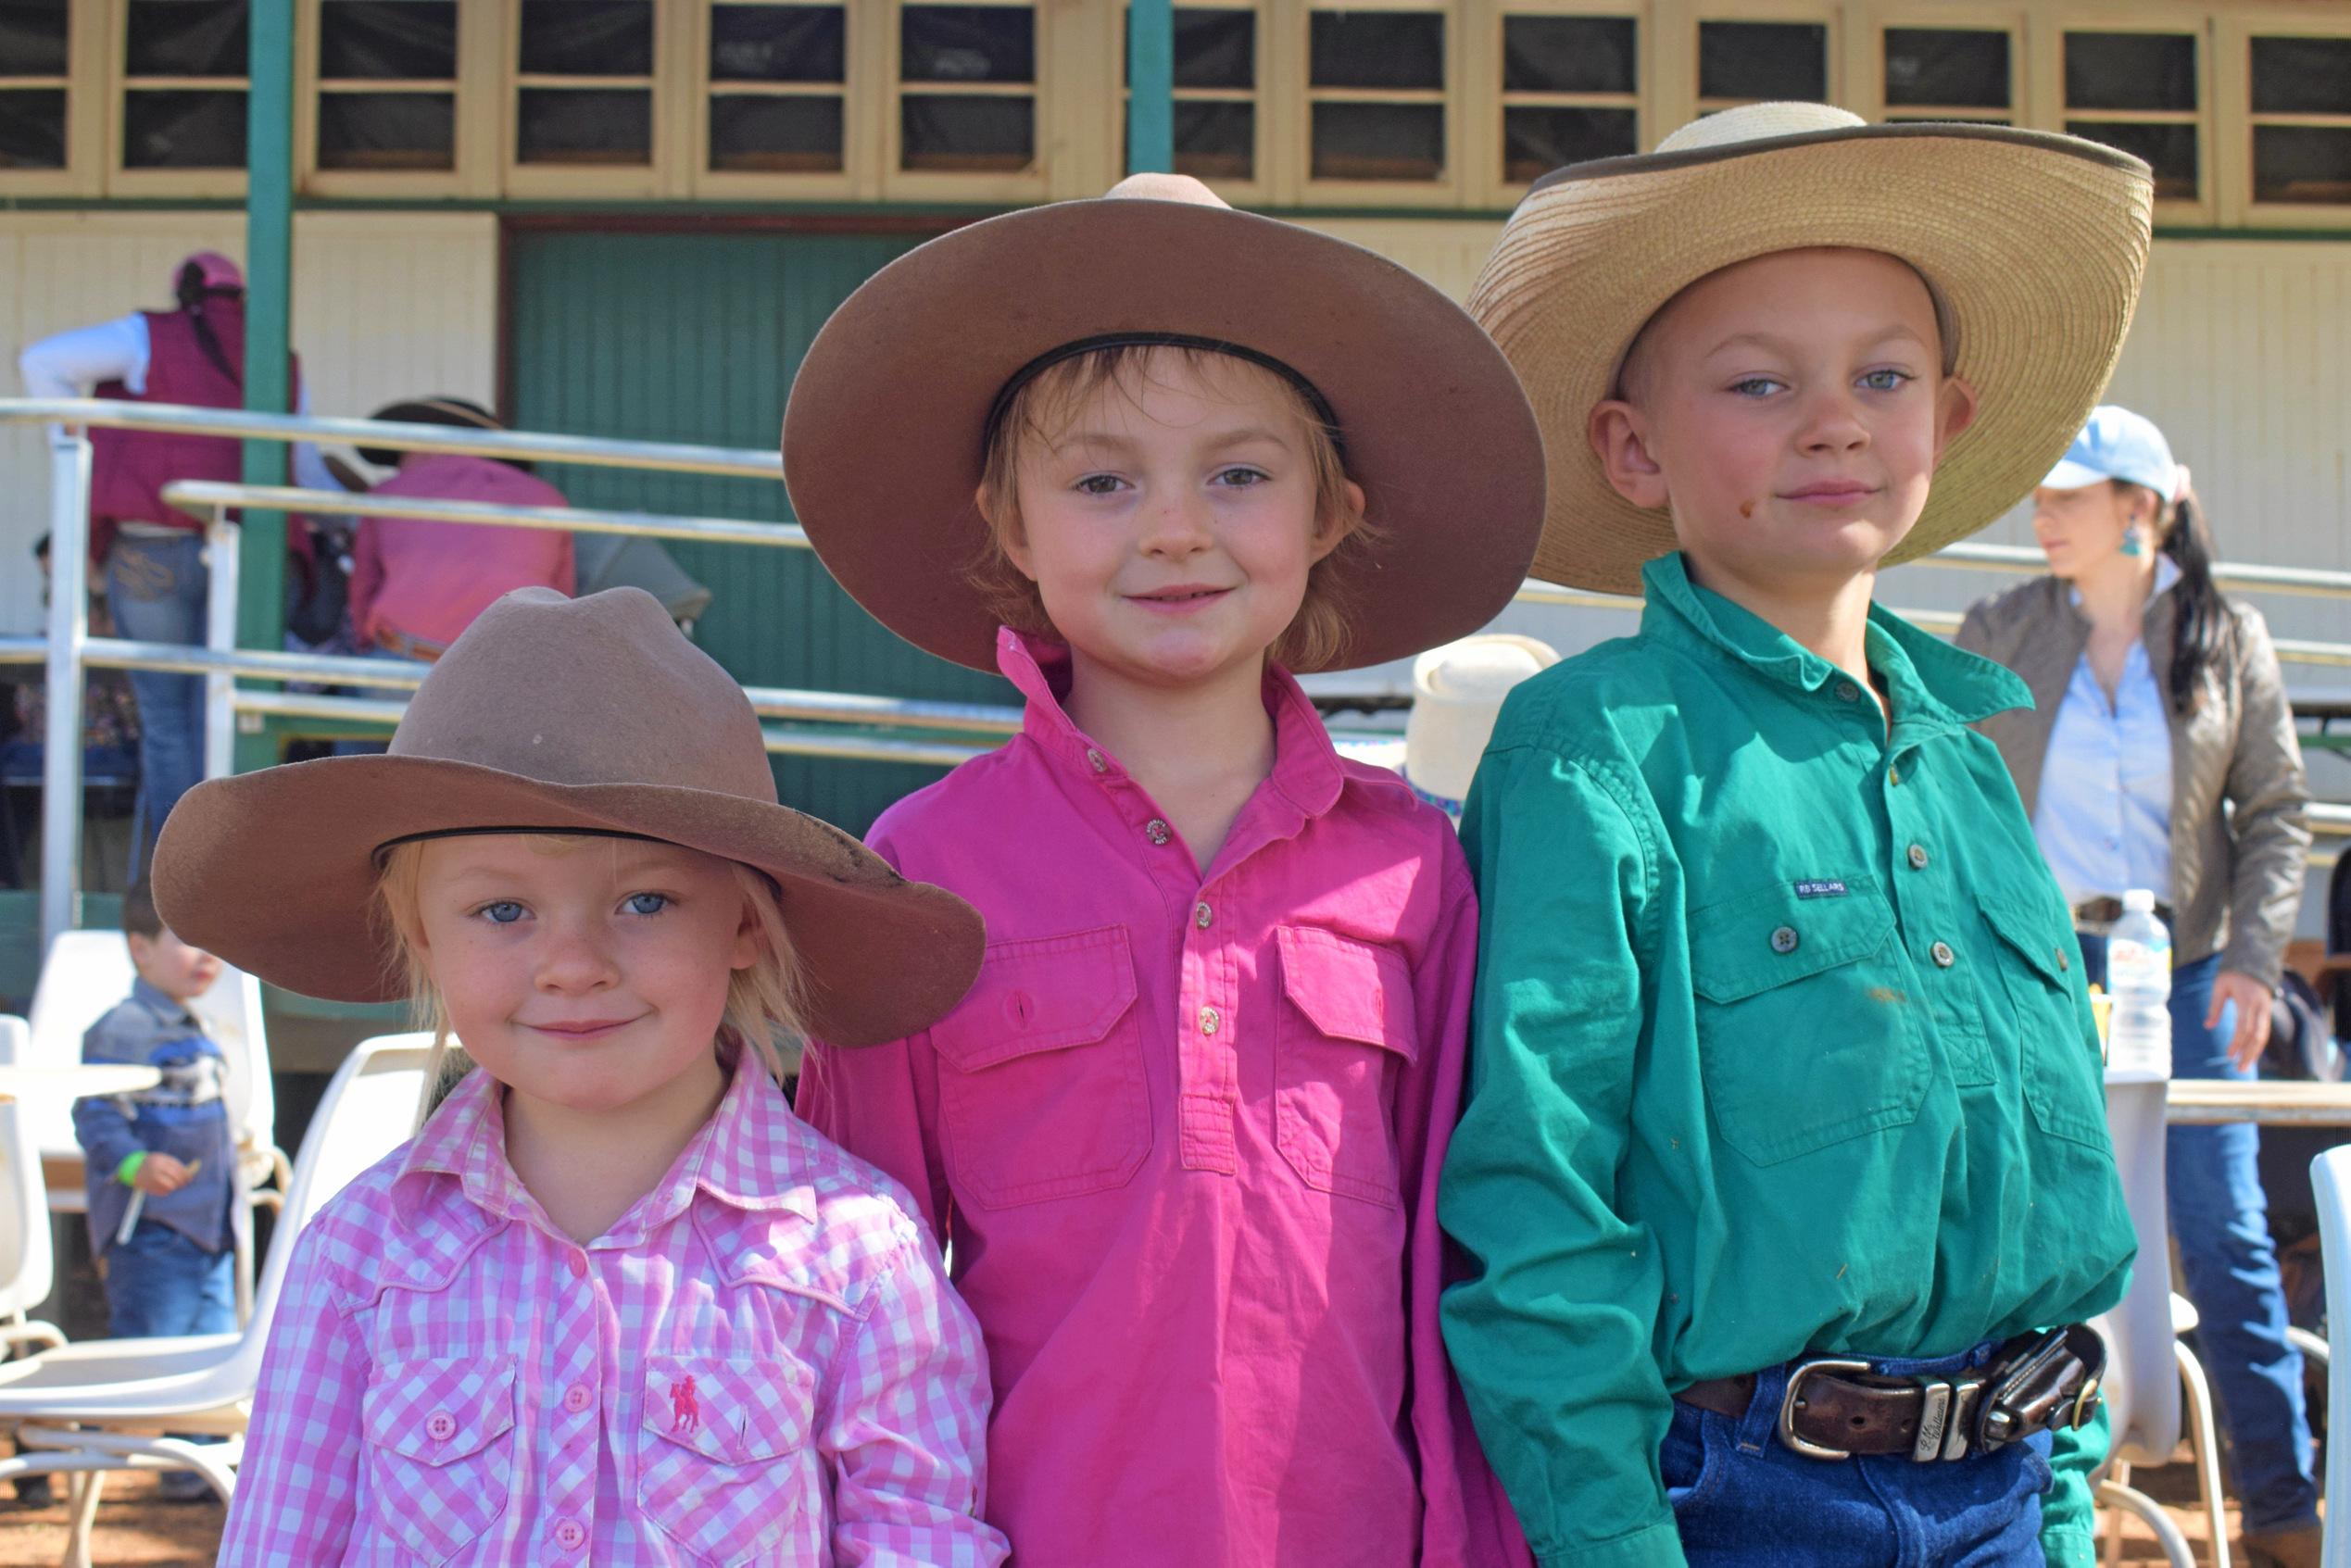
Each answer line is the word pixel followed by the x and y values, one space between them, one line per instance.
pixel 1570 92
pixel 2302 120
pixel 1948 73
pixel 584 83
pixel 1376 92
pixel 779 76
pixel 183 84
pixel 387 85
pixel 32 85
pixel 1753 62
pixel 967 93
pixel 2137 91
pixel 1215 118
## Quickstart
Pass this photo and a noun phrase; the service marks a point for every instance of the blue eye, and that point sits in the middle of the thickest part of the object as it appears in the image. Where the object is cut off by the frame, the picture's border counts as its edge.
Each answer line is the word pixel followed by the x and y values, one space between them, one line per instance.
pixel 1241 477
pixel 505 911
pixel 1886 380
pixel 1097 485
pixel 646 903
pixel 1755 386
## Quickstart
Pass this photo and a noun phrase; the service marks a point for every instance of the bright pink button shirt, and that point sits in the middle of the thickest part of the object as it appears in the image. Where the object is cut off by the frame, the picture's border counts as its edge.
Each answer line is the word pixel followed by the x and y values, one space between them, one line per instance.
pixel 761 1361
pixel 429 580
pixel 1183 1135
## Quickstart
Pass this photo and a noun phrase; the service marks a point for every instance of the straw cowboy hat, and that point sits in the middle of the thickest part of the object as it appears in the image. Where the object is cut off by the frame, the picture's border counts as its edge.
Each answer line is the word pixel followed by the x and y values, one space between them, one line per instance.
pixel 1457 695
pixel 2033 244
pixel 883 435
pixel 548 714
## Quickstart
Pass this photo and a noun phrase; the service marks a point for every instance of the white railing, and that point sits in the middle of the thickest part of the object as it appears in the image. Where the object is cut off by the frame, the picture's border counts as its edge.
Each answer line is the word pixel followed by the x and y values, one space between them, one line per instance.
pixel 803 723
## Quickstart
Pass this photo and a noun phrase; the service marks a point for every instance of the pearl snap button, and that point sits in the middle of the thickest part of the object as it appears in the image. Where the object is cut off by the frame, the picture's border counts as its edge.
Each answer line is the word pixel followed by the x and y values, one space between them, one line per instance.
pixel 2064 963
pixel 440 1427
pixel 1784 940
pixel 1096 761
pixel 1918 856
pixel 1944 958
pixel 1210 1021
pixel 1202 916
pixel 1848 692
pixel 1156 830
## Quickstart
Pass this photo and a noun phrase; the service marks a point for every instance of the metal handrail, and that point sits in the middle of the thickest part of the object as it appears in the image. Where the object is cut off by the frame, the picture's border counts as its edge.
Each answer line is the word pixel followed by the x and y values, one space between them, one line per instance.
pixel 190 495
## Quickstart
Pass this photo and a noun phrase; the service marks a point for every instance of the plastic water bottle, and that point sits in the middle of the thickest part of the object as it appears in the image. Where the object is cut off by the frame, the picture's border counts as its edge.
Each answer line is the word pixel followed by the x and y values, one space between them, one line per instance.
pixel 2139 974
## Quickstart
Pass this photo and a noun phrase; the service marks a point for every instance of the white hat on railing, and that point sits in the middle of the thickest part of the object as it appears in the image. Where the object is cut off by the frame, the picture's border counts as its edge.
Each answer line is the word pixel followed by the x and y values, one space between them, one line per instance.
pixel 1457 694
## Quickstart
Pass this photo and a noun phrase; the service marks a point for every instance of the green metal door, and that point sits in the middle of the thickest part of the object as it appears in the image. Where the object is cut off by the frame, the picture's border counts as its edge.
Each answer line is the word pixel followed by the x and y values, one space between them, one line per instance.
pixel 695 337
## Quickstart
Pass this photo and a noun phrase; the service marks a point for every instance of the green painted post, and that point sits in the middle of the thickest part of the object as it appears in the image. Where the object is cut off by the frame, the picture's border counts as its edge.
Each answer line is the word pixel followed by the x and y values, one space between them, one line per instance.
pixel 1151 87
pixel 268 281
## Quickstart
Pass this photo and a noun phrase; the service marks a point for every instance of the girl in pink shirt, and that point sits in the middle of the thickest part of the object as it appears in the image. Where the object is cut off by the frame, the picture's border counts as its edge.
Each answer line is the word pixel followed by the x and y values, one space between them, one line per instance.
pixel 1182 1135
pixel 613 1304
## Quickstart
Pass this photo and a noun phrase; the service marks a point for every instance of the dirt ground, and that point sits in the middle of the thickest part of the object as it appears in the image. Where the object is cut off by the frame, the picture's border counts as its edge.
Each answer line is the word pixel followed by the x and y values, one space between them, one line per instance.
pixel 134 1528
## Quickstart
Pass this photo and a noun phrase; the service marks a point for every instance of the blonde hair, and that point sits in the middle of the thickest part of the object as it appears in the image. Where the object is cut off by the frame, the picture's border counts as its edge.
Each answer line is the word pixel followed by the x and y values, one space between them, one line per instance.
pixel 764 1002
pixel 1041 410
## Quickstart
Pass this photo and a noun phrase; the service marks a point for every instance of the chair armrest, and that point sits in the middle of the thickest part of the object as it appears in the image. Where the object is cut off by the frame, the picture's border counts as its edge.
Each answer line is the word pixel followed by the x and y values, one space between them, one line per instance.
pixel 47 1336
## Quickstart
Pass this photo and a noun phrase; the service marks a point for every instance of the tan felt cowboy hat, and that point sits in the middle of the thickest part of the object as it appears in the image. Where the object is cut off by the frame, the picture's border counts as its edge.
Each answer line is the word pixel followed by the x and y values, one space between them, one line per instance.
pixel 884 436
pixel 591 715
pixel 2033 243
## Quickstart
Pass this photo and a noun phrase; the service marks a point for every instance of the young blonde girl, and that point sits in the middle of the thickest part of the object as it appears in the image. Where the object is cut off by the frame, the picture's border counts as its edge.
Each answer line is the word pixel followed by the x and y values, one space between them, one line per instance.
pixel 613 1303
pixel 1182 1133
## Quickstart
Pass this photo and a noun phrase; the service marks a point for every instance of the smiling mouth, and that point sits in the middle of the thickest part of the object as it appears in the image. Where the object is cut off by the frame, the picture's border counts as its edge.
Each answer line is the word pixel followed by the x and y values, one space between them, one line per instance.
pixel 1831 493
pixel 1179 598
pixel 585 1030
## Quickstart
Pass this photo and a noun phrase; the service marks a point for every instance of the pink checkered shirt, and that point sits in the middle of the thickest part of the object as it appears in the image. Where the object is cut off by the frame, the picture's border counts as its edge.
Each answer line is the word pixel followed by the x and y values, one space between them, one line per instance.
pixel 761 1362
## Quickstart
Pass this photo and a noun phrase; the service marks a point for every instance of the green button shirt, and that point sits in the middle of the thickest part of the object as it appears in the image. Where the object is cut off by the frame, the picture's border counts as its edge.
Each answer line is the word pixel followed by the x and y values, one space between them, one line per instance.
pixel 1781 1045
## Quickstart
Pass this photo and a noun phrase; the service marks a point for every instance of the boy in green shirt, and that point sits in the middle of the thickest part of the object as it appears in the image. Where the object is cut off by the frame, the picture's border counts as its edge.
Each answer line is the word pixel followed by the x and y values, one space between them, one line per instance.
pixel 1784 1178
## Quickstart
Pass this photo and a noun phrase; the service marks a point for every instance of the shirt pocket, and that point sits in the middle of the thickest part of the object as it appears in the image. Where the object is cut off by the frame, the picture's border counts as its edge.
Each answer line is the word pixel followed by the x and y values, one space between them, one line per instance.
pixel 1807 1033
pixel 1041 1091
pixel 1345 1033
pixel 440 1449
pixel 724 1465
pixel 2063 1082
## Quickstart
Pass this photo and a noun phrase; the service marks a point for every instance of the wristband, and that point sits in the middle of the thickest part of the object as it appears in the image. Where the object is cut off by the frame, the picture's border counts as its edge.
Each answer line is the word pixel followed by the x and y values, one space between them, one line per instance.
pixel 128 1172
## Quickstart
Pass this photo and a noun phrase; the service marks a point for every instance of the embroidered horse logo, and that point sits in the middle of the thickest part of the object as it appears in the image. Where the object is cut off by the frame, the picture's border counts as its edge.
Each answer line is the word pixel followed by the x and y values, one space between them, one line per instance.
pixel 685 1412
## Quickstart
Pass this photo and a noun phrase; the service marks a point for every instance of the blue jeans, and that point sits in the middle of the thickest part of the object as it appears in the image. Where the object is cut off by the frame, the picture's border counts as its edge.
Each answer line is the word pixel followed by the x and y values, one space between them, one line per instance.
pixel 160 1283
pixel 155 589
pixel 1742 1500
pixel 2220 1216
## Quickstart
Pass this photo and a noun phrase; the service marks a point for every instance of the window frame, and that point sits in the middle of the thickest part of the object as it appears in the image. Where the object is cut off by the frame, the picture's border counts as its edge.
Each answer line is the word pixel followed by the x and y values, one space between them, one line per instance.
pixel 1258 189
pixel 1490 186
pixel 2197 24
pixel 2005 19
pixel 91 130
pixel 1449 189
pixel 1006 187
pixel 2235 141
pixel 860 127
pixel 122 181
pixel 1824 14
pixel 657 177
pixel 474 88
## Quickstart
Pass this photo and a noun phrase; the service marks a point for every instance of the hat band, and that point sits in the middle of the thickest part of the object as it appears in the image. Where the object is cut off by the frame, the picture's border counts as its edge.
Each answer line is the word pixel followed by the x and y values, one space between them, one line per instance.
pixel 997 411
pixel 391 844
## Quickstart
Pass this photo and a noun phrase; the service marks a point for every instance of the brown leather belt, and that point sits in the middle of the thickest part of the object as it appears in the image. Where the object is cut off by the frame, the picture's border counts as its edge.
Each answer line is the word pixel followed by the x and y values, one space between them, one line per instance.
pixel 1835 1408
pixel 2095 915
pixel 422 649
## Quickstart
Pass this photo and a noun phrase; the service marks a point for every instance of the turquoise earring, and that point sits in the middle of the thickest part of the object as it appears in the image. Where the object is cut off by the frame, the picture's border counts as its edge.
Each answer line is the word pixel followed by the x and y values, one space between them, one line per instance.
pixel 2134 543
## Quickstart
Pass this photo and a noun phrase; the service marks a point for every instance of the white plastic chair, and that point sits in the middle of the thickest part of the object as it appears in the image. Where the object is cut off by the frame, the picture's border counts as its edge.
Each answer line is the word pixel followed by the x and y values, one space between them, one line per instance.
pixel 27 1253
pixel 84 975
pixel 2330 1179
pixel 2147 1367
pixel 102 1405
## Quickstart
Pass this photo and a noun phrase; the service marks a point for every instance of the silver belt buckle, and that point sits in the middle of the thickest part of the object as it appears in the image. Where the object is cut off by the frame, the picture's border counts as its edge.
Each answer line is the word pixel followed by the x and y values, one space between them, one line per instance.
pixel 1946 1414
pixel 1791 1400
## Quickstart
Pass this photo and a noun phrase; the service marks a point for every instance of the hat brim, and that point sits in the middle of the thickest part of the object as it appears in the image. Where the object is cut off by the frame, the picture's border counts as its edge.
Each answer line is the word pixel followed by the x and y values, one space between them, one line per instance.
pixel 275 871
pixel 2036 244
pixel 883 433
pixel 2070 475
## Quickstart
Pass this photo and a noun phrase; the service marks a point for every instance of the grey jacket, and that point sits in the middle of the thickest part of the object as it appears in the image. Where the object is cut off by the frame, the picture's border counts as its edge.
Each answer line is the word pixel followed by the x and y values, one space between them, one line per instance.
pixel 2236 876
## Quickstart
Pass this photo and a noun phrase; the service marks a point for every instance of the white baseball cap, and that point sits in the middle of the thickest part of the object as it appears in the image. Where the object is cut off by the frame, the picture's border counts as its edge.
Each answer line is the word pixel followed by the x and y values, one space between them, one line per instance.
pixel 2117 443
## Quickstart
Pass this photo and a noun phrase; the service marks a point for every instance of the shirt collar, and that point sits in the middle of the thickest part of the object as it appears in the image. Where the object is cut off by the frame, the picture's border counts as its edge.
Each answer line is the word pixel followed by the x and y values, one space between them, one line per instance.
pixel 166 1009
pixel 2167 576
pixel 1307 770
pixel 736 1156
pixel 1926 677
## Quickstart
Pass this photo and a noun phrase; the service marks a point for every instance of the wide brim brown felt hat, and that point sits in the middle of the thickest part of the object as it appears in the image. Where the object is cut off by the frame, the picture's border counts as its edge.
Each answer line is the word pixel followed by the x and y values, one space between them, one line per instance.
pixel 591 715
pixel 884 433
pixel 2034 246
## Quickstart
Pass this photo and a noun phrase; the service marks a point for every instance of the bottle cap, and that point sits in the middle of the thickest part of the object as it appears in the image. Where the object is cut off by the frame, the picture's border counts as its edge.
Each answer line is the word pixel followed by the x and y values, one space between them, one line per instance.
pixel 2138 901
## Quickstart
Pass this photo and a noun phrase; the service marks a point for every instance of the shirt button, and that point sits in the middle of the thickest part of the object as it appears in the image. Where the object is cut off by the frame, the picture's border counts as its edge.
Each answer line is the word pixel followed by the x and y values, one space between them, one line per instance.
pixel 1784 940
pixel 578 1264
pixel 1210 1021
pixel 440 1427
pixel 1202 916
pixel 1848 692
pixel 568 1535
pixel 1156 830
pixel 576 1398
pixel 1095 760
pixel 1894 775
pixel 1942 955
pixel 1918 856
pixel 2064 963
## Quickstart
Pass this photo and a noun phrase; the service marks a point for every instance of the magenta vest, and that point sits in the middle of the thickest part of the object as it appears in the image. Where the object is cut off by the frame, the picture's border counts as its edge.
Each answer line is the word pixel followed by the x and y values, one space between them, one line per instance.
pixel 130 468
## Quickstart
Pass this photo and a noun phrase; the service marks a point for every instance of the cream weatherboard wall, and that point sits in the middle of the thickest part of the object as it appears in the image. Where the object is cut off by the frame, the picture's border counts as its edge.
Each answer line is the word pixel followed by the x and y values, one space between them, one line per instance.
pixel 385 306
